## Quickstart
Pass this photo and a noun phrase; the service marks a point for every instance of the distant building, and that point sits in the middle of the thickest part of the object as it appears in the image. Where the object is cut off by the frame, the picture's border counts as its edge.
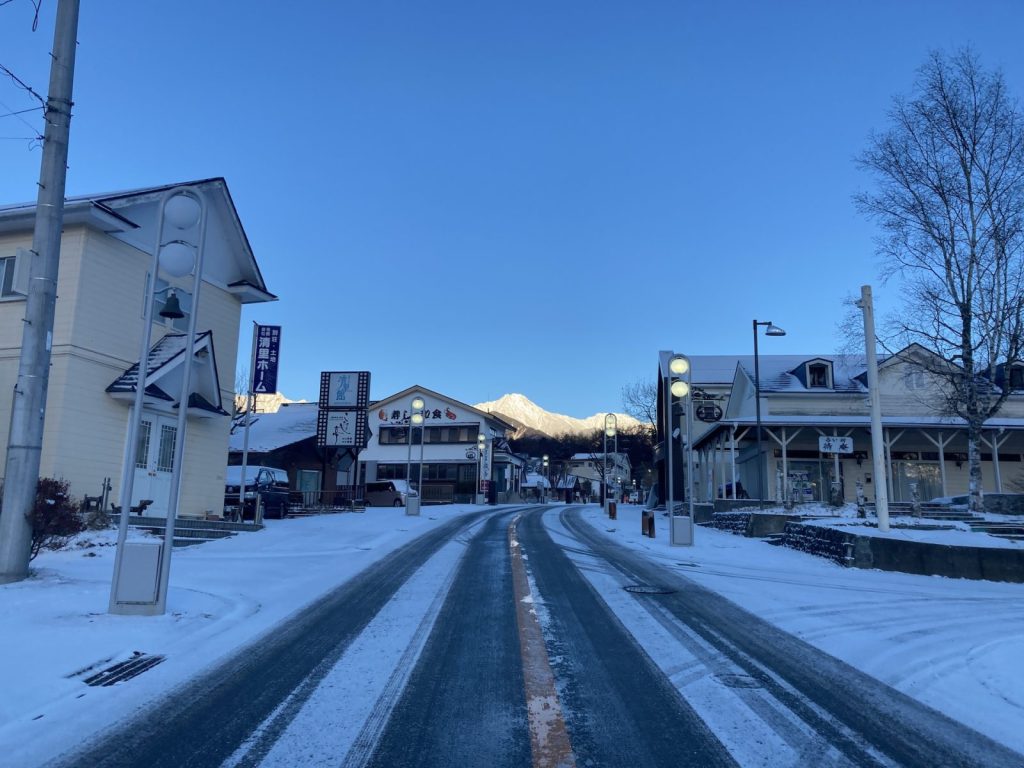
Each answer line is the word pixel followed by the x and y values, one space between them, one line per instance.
pixel 805 398
pixel 453 470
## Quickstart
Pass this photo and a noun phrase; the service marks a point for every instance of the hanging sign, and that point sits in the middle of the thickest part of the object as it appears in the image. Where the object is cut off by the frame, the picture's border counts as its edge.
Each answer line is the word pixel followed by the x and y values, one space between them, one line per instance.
pixel 265 359
pixel 827 444
pixel 709 412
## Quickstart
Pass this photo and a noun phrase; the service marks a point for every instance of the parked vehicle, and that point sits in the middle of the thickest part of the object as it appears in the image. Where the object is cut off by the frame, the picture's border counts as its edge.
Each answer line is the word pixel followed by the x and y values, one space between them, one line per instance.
pixel 266 484
pixel 387 493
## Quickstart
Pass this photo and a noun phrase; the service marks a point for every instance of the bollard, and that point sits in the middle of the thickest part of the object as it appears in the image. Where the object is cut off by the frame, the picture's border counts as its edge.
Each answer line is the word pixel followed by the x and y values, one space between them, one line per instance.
pixel 611 511
pixel 650 525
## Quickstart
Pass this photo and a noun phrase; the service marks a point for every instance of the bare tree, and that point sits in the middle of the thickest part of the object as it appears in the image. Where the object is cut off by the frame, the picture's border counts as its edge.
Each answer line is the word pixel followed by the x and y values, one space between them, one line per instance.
pixel 241 391
pixel 950 202
pixel 639 400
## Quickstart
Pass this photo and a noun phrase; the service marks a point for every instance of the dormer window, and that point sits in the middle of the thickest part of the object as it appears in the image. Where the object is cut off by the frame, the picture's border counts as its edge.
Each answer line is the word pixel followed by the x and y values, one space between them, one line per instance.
pixel 819 376
pixel 1017 377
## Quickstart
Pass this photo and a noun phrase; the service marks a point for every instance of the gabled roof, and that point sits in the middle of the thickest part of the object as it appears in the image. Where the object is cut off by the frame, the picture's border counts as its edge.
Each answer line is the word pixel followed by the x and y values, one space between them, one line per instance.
pixel 131 216
pixel 290 424
pixel 166 357
pixel 406 393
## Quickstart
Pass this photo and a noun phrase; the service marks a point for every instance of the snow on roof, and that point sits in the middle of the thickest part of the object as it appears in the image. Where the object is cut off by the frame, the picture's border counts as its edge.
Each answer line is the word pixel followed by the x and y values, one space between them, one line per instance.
pixel 776 370
pixel 161 353
pixel 534 480
pixel 292 423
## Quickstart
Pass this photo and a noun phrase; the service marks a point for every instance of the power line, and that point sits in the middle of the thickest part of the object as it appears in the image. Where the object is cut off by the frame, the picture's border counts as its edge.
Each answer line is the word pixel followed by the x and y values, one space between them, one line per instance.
pixel 35 4
pixel 21 83
pixel 17 112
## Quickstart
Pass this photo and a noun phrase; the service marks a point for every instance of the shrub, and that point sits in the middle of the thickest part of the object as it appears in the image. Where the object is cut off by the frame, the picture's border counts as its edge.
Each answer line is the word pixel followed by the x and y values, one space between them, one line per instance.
pixel 54 516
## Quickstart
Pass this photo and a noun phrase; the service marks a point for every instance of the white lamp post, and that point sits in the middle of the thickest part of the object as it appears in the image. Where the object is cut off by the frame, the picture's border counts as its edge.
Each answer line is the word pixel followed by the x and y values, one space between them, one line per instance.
pixel 770 330
pixel 184 209
pixel 547 481
pixel 415 418
pixel 678 365
pixel 481 445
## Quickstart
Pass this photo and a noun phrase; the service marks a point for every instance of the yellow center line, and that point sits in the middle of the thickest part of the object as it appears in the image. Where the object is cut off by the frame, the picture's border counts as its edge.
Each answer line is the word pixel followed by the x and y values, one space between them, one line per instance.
pixel 549 739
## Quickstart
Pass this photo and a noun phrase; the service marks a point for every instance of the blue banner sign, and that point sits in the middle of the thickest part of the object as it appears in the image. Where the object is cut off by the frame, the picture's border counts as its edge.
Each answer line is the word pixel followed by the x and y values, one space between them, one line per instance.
pixel 268 348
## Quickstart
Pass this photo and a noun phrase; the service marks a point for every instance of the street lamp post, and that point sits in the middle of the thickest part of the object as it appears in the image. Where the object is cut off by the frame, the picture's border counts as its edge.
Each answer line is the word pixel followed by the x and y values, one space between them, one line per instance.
pixel 610 430
pixel 481 444
pixel 547 481
pixel 770 330
pixel 184 209
pixel 416 410
pixel 679 365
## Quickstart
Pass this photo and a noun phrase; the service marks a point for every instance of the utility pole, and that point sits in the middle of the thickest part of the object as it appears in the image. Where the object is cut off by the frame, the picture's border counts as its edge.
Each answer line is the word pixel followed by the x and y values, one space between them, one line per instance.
pixel 24 442
pixel 878 461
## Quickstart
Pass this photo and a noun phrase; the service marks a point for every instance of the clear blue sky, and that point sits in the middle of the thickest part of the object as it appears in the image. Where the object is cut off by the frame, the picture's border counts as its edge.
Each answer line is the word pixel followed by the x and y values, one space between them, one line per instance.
pixel 525 197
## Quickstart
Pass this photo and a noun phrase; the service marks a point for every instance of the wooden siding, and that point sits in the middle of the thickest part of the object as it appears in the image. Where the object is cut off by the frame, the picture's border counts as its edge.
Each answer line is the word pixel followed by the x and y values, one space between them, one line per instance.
pixel 97 331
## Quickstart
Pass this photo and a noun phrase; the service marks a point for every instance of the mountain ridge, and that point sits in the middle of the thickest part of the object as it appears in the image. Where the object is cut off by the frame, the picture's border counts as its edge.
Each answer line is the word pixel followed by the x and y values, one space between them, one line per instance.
pixel 529 417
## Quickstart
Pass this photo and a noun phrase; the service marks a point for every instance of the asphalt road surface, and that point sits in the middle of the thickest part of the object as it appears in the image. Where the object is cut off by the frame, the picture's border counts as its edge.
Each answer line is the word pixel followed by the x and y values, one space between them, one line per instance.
pixel 520 653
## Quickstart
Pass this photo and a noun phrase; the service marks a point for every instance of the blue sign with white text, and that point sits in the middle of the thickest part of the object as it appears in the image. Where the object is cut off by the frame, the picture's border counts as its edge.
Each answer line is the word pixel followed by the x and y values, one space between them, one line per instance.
pixel 268 347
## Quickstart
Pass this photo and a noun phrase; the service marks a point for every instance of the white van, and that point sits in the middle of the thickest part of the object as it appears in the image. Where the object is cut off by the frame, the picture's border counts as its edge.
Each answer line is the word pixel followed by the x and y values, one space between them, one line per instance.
pixel 387 493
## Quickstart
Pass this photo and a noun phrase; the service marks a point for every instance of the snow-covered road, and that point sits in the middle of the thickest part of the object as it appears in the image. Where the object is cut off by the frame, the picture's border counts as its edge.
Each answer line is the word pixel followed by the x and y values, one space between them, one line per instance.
pixel 363 671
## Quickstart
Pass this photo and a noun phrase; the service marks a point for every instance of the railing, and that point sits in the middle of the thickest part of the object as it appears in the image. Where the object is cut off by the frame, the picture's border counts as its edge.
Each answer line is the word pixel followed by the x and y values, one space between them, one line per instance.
pixel 437 494
pixel 343 499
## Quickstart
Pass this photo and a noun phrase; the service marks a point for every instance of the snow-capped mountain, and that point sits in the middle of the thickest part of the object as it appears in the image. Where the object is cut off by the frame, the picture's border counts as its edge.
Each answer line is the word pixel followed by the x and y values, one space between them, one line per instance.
pixel 522 412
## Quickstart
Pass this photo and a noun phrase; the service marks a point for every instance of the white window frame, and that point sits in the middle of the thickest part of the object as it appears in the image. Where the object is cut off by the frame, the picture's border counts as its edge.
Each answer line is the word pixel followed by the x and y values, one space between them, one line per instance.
pixel 828 375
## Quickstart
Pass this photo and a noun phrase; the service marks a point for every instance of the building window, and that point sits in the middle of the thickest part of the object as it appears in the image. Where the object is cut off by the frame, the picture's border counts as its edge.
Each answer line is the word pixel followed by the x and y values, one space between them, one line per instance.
pixel 1016 377
pixel 452 434
pixel 391 471
pixel 914 379
pixel 13 284
pixel 393 436
pixel 817 376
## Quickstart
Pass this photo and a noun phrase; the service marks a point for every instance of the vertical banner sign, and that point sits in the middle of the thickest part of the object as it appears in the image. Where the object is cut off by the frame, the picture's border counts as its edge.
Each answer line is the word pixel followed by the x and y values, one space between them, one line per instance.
pixel 268 347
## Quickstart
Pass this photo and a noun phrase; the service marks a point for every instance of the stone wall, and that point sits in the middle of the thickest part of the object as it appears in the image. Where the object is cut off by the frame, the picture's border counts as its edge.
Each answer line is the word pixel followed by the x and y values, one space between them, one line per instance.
pixel 926 559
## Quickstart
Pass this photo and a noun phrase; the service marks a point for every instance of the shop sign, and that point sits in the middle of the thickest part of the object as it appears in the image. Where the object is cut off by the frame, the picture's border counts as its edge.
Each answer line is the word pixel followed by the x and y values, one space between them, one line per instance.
pixel 709 412
pixel 828 444
pixel 341 418
pixel 267 341
pixel 394 416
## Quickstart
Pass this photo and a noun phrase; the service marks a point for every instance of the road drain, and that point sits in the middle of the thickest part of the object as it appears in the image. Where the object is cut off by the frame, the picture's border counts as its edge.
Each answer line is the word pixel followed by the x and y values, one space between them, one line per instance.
pixel 647 589
pixel 738 681
pixel 124 670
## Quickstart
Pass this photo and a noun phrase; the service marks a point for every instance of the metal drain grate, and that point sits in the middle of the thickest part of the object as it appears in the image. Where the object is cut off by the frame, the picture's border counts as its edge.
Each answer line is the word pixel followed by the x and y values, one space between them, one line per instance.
pixel 124 670
pixel 647 589
pixel 738 681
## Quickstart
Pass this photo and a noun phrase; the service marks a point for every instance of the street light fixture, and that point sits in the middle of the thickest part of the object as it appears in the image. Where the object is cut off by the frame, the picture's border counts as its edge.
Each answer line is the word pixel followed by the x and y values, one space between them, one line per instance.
pixel 547 480
pixel 679 365
pixel 184 209
pixel 481 445
pixel 415 418
pixel 610 430
pixel 770 330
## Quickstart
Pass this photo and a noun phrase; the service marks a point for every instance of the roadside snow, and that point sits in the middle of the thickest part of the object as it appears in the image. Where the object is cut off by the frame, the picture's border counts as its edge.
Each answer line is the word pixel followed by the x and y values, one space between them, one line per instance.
pixel 223 595
pixel 954 644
